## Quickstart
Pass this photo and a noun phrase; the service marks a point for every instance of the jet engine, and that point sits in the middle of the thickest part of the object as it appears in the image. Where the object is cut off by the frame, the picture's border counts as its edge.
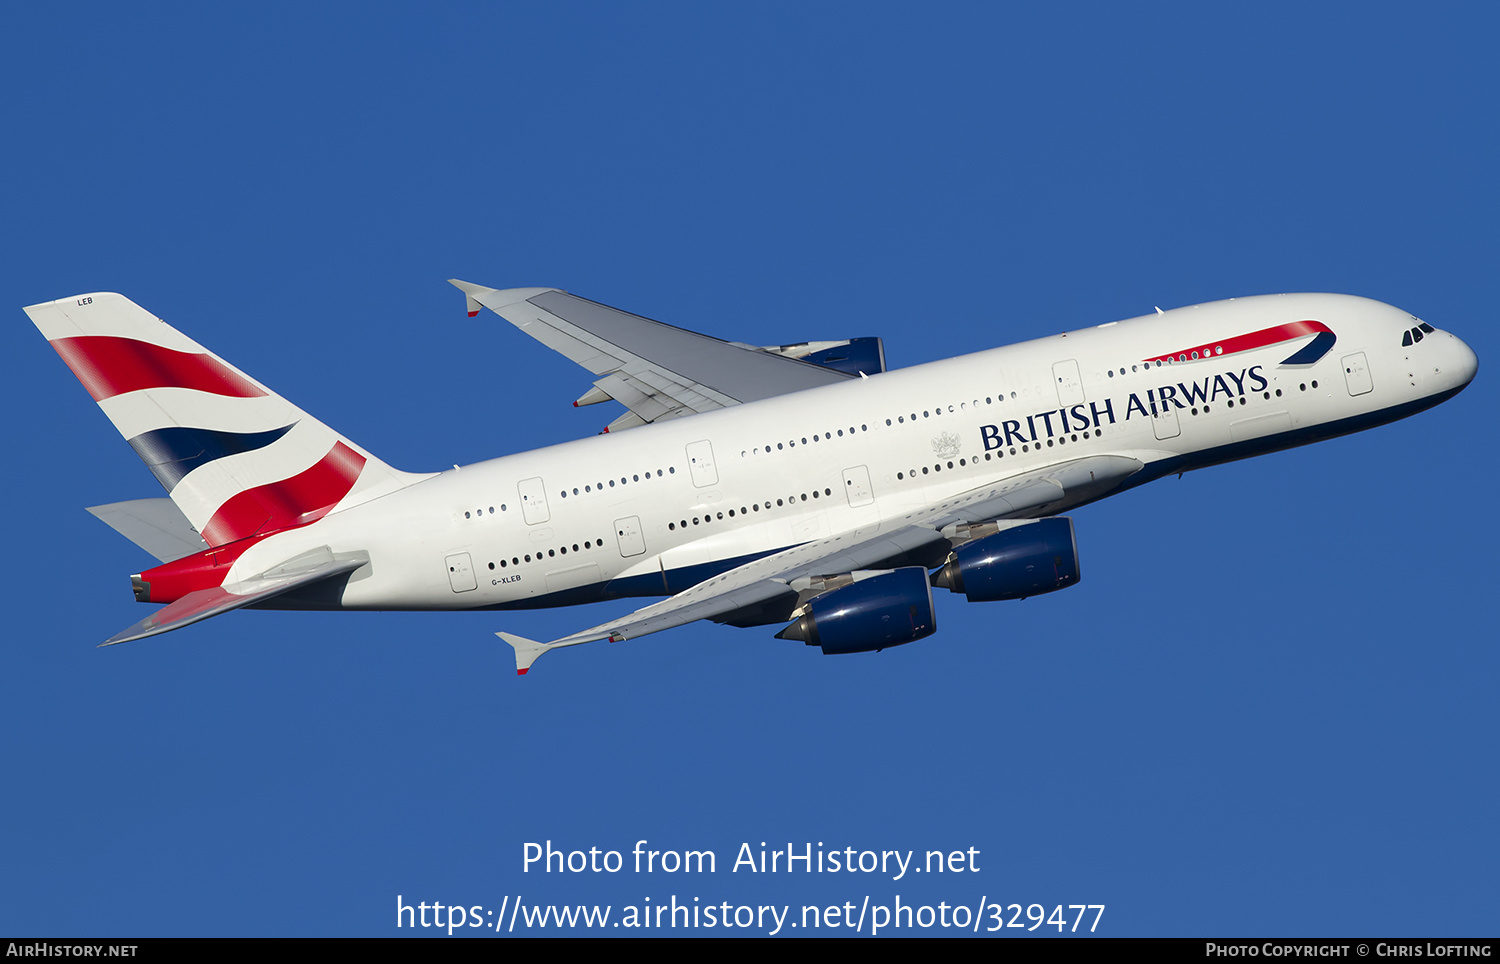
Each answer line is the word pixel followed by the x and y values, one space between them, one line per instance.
pixel 1026 560
pixel 853 356
pixel 874 612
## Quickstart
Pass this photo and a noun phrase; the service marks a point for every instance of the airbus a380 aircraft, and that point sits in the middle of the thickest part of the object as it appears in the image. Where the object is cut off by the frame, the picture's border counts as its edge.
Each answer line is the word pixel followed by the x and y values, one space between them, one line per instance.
pixel 799 484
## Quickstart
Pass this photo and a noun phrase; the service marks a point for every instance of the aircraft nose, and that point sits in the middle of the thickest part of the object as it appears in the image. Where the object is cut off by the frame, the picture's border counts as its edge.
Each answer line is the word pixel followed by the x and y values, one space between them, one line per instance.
pixel 1464 365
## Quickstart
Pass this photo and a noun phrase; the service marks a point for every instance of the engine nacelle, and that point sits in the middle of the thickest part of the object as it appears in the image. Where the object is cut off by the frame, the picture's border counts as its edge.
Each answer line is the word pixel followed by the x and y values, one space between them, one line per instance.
pixel 860 355
pixel 851 356
pixel 873 613
pixel 1014 563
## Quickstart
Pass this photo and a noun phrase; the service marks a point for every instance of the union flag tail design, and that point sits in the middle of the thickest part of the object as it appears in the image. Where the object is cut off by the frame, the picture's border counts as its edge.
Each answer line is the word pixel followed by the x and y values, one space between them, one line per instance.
pixel 237 459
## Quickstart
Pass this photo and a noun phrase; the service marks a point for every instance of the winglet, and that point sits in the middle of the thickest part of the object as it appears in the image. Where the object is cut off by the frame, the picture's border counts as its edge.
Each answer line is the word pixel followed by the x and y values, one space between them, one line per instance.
pixel 470 290
pixel 527 650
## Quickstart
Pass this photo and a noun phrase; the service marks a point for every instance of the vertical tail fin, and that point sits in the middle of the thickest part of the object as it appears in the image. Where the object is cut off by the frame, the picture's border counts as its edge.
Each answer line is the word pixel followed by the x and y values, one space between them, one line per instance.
pixel 237 459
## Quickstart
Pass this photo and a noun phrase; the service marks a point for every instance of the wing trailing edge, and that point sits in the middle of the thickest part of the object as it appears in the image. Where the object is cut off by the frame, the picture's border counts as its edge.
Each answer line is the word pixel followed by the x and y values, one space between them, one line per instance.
pixel 658 371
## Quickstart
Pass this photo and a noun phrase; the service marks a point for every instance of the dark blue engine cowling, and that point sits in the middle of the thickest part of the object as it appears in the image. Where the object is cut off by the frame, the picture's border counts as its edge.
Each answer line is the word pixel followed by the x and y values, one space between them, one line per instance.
pixel 1014 563
pixel 860 355
pixel 871 614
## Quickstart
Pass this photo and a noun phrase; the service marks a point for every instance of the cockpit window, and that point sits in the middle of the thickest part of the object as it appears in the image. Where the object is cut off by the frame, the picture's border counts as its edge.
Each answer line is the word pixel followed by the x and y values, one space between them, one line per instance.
pixel 1414 335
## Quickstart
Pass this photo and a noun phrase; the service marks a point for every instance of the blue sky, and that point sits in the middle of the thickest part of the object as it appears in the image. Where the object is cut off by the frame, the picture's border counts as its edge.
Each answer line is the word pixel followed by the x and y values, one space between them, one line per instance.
pixel 1268 708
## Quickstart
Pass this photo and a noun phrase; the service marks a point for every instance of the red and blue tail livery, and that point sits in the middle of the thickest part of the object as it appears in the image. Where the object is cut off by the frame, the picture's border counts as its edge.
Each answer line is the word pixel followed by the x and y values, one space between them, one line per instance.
pixel 108 366
pixel 238 461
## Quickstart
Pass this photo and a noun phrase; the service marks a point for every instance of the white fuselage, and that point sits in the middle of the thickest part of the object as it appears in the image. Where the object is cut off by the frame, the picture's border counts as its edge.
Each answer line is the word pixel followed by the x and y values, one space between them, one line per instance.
pixel 655 509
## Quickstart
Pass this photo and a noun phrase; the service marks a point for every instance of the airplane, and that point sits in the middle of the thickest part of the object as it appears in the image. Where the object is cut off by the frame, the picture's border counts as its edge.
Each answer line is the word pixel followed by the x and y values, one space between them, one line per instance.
pixel 802 484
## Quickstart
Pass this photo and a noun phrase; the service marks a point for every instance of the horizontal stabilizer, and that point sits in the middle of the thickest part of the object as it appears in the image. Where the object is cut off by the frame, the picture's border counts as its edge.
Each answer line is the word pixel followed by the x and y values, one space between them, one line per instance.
pixel 156 525
pixel 299 571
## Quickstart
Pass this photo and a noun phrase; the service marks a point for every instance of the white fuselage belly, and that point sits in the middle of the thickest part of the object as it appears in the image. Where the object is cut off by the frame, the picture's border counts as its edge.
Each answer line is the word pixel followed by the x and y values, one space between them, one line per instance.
pixel 620 514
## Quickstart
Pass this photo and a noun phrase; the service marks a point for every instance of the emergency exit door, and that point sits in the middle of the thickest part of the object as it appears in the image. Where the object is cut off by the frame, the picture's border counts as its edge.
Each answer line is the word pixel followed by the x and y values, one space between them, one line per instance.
pixel 628 532
pixel 533 501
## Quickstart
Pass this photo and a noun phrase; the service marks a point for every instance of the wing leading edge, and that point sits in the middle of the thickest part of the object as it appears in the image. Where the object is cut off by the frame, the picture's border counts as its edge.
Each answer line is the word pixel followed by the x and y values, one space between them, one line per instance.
pixel 791 570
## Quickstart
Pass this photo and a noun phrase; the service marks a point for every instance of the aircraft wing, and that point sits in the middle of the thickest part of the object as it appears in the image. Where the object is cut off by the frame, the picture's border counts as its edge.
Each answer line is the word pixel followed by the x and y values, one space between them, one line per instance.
pixel 655 370
pixel 762 580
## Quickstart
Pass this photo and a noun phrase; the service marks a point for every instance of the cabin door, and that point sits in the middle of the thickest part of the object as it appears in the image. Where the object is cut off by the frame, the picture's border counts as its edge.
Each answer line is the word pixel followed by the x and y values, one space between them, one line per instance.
pixel 628 531
pixel 1357 374
pixel 700 457
pixel 533 501
pixel 461 572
